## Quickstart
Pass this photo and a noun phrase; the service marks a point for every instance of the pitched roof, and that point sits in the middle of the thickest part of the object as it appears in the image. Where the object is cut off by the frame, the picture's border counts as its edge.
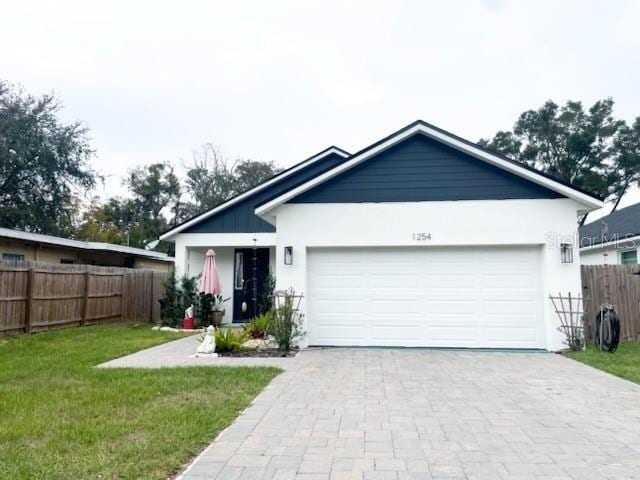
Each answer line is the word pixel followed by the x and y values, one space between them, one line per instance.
pixel 82 245
pixel 421 127
pixel 621 224
pixel 252 191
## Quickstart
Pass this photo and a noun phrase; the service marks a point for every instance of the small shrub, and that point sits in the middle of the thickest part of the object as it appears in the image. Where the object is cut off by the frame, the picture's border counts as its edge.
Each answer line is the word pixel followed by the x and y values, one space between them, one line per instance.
pixel 265 303
pixel 177 298
pixel 188 292
pixel 169 308
pixel 259 326
pixel 286 324
pixel 205 305
pixel 229 339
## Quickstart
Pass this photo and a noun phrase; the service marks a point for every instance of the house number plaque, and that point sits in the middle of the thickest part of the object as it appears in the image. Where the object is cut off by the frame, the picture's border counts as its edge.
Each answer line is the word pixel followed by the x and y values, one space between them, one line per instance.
pixel 421 236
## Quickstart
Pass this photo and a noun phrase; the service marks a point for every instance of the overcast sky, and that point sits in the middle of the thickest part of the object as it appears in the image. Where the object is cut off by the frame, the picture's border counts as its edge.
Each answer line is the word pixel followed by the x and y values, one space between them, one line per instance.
pixel 281 80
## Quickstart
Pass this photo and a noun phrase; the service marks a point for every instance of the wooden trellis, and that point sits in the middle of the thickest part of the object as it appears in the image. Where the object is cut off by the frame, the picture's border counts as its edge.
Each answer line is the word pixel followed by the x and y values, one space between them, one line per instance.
pixel 569 311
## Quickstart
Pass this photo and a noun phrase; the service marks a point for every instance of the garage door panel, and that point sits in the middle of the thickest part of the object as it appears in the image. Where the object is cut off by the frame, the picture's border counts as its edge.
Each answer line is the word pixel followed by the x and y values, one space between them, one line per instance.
pixel 394 280
pixel 413 319
pixel 388 339
pixel 339 336
pixel 339 281
pixel 451 306
pixel 442 297
pixel 507 292
pixel 388 309
pixel 447 281
pixel 513 337
pixel 339 307
pixel 499 281
pixel 453 336
pixel 511 308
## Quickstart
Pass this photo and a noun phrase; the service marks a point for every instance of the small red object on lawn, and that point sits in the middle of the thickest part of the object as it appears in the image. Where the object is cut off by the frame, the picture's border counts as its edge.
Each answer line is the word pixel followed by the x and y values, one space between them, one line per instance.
pixel 188 323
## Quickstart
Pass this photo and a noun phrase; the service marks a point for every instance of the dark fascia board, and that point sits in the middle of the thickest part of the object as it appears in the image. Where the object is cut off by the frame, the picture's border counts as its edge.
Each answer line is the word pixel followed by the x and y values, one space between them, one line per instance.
pixel 231 201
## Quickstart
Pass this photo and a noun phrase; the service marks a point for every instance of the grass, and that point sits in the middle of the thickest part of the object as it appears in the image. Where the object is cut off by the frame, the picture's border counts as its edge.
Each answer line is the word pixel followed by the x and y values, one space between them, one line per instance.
pixel 625 362
pixel 60 418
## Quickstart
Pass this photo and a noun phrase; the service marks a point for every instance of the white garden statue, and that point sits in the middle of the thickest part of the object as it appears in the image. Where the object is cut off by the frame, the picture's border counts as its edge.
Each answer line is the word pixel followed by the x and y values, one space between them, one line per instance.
pixel 208 345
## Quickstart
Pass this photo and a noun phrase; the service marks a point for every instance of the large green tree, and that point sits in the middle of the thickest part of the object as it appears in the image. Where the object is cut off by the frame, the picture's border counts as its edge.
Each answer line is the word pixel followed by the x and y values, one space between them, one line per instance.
pixel 212 178
pixel 152 206
pixel 589 148
pixel 109 222
pixel 44 164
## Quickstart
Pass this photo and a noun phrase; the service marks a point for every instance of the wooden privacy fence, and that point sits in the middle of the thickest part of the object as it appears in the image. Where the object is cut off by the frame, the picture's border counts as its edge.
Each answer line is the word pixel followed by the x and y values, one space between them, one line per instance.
pixel 39 296
pixel 623 292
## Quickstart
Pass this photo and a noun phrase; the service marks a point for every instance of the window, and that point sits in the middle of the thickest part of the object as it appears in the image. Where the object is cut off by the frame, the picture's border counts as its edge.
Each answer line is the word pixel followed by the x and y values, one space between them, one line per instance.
pixel 630 257
pixel 238 277
pixel 12 257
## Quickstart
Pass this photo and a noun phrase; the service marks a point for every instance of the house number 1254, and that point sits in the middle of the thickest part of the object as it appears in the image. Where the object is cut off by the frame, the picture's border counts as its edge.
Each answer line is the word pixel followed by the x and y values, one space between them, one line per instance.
pixel 421 236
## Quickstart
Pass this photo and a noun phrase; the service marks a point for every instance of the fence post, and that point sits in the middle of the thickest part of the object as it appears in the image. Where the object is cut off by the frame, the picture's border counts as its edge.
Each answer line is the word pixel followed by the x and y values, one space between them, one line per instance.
pixel 151 300
pixel 29 307
pixel 122 299
pixel 85 298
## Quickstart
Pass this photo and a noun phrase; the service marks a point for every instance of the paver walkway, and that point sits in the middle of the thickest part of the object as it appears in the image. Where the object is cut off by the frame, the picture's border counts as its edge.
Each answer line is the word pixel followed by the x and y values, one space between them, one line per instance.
pixel 420 414
pixel 181 353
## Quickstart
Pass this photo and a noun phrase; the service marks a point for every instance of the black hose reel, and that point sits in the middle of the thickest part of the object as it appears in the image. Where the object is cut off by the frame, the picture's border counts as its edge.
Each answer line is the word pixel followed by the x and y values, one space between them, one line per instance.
pixel 607 331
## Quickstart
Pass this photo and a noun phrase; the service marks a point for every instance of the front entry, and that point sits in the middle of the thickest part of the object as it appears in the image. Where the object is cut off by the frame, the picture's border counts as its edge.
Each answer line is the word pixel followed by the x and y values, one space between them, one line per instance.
pixel 250 270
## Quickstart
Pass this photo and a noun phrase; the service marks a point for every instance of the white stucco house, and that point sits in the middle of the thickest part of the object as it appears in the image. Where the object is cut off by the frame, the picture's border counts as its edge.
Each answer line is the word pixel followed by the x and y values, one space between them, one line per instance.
pixel 613 239
pixel 422 239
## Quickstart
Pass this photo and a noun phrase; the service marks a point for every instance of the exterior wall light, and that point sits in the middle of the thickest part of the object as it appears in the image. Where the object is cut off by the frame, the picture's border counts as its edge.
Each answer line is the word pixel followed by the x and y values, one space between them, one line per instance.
pixel 288 255
pixel 566 253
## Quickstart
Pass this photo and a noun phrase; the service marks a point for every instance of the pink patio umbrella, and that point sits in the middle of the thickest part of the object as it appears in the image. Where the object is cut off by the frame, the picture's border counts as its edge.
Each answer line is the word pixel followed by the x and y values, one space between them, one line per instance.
pixel 209 282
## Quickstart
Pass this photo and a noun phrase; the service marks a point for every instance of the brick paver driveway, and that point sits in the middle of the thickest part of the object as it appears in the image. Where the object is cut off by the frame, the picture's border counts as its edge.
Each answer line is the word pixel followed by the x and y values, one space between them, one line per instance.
pixel 414 414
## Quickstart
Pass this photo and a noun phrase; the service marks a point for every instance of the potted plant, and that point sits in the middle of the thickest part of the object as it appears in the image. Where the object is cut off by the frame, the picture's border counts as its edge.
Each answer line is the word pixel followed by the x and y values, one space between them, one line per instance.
pixel 217 309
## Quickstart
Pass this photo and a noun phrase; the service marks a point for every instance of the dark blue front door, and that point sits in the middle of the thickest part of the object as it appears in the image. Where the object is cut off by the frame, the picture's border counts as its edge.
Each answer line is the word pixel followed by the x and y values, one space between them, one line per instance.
pixel 251 266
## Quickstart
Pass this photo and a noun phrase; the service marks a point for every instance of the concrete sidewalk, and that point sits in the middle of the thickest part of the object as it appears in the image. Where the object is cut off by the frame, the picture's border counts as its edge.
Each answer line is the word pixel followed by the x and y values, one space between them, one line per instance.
pixel 180 353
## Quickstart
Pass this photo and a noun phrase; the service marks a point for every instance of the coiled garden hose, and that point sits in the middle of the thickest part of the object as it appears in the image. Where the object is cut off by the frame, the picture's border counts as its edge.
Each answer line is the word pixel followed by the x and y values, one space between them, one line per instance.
pixel 610 329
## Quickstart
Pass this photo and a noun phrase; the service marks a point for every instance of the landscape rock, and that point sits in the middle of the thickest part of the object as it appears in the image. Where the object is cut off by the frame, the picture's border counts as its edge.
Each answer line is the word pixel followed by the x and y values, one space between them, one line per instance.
pixel 260 343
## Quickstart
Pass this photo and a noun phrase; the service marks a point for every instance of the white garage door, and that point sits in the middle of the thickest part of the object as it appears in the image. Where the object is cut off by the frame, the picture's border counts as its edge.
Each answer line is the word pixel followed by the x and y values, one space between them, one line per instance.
pixel 481 297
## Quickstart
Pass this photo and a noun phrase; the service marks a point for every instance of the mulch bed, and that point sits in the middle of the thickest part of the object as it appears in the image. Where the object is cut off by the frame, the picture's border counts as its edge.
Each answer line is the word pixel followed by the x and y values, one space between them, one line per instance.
pixel 264 353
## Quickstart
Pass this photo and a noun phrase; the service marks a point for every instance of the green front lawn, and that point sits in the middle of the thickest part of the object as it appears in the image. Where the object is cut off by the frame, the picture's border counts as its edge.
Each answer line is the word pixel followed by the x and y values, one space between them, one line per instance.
pixel 60 418
pixel 625 362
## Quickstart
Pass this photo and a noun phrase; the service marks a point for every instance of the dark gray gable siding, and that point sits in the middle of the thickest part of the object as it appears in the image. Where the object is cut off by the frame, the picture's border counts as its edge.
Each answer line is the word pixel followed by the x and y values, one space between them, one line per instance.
pixel 422 169
pixel 240 218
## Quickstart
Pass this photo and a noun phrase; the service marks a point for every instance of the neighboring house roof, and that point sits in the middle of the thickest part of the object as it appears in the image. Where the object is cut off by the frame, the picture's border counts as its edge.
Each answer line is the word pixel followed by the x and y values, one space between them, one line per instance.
pixel 622 224
pixel 422 128
pixel 274 181
pixel 82 245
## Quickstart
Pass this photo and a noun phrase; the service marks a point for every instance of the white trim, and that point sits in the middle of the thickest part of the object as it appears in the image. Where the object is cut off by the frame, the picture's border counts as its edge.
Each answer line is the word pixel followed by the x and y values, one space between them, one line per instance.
pixel 618 243
pixel 82 245
pixel 242 196
pixel 213 240
pixel 585 199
